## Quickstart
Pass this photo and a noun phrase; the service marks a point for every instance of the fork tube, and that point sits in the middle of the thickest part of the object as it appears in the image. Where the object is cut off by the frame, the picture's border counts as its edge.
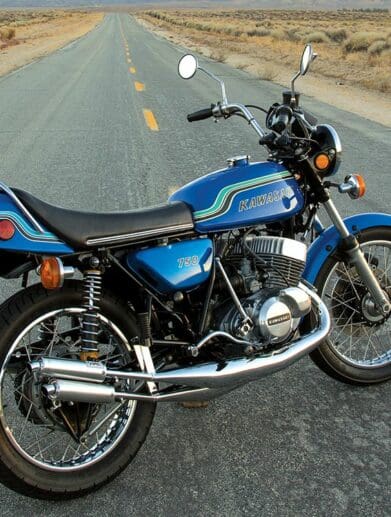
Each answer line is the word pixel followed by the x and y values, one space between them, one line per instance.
pixel 358 259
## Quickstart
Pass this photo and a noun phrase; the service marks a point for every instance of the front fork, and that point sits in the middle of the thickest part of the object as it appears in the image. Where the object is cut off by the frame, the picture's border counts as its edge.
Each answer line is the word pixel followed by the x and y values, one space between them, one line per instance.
pixel 351 247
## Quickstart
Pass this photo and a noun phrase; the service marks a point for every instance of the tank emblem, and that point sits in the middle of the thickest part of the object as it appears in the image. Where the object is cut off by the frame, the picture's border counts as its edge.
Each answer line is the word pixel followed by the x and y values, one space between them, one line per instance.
pixel 265 199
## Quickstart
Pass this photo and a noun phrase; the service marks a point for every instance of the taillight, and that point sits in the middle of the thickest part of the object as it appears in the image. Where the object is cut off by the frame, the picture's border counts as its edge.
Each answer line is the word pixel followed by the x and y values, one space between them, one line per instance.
pixel 7 229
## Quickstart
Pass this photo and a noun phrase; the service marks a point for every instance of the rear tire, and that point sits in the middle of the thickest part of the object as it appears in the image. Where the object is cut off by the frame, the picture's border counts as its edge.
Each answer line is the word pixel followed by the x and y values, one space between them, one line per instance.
pixel 28 478
pixel 328 356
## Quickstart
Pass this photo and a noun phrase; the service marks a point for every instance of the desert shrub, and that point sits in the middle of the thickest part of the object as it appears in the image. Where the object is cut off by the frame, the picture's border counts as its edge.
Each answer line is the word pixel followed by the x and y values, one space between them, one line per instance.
pixel 337 35
pixel 278 34
pixel 268 73
pixel 317 37
pixel 218 55
pixel 380 81
pixel 7 33
pixel 258 32
pixel 293 35
pixel 377 47
pixel 361 41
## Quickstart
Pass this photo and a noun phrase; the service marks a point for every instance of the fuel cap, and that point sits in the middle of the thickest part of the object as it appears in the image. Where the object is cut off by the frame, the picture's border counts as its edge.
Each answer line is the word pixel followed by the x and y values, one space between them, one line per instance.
pixel 238 161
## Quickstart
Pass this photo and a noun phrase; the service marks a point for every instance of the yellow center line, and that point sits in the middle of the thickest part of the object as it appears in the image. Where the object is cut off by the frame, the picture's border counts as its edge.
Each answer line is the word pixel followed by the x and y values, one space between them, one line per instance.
pixel 151 120
pixel 132 70
pixel 140 87
pixel 129 60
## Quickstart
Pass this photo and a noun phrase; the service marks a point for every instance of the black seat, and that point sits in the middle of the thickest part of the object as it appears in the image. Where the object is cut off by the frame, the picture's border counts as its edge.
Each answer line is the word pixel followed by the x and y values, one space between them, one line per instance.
pixel 88 229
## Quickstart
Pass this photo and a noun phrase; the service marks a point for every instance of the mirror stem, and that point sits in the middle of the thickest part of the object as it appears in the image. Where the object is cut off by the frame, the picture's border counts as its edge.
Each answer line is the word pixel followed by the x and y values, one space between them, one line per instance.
pixel 220 81
pixel 293 93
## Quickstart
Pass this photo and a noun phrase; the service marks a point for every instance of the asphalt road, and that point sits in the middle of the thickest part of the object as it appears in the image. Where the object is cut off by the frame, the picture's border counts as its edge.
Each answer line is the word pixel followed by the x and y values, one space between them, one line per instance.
pixel 73 131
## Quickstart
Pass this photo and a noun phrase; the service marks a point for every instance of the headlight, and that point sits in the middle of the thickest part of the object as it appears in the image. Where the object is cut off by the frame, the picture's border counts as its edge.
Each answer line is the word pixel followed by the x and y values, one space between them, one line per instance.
pixel 330 147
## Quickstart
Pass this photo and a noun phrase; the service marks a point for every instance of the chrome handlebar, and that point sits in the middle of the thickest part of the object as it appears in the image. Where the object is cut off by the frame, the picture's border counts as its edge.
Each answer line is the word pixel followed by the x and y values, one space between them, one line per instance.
pixel 227 109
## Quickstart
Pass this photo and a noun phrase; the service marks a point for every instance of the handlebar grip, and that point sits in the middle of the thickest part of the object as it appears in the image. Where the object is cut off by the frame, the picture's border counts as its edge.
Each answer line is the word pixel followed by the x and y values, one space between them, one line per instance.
pixel 282 119
pixel 200 115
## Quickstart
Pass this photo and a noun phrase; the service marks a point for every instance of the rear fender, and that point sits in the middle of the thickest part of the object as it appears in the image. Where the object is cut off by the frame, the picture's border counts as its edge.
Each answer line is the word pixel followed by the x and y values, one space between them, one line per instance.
pixel 13 265
pixel 329 240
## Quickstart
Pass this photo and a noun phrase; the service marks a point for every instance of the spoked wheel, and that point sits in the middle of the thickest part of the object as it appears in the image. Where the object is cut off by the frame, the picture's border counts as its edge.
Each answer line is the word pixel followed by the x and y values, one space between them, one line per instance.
pixel 50 450
pixel 358 349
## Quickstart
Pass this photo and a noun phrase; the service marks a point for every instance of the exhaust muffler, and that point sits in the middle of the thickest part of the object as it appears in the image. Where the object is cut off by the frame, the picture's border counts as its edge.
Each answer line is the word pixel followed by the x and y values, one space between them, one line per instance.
pixel 79 391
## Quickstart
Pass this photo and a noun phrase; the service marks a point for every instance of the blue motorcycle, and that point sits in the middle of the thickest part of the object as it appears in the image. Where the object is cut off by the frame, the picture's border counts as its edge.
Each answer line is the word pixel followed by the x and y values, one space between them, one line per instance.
pixel 233 279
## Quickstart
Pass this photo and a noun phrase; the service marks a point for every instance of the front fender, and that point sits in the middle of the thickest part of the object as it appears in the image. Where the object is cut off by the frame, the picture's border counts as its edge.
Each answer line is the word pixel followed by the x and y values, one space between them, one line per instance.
pixel 327 242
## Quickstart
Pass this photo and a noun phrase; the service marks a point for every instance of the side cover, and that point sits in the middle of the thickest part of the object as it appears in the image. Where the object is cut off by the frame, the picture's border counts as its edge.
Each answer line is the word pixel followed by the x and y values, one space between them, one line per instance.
pixel 26 238
pixel 242 195
pixel 180 266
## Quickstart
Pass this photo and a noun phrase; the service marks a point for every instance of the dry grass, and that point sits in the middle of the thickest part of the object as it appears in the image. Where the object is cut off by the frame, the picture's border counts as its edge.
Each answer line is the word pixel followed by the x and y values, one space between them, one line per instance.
pixel 354 46
pixel 14 23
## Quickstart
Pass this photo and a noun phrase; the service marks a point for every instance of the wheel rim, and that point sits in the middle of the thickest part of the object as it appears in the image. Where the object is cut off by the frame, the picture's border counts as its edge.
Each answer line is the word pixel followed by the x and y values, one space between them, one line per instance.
pixel 29 427
pixel 358 337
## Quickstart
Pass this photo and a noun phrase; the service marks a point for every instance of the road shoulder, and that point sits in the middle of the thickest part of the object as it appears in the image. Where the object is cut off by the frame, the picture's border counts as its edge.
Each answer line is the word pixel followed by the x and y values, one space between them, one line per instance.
pixel 40 39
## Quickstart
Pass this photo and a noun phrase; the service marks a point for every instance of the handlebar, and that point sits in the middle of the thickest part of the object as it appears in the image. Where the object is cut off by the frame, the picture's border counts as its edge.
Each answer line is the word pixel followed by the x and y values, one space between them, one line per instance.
pixel 200 115
pixel 226 110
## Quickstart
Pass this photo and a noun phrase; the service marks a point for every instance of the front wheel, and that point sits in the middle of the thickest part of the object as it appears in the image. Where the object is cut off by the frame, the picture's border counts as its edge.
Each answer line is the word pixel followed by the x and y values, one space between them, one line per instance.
pixel 358 348
pixel 67 451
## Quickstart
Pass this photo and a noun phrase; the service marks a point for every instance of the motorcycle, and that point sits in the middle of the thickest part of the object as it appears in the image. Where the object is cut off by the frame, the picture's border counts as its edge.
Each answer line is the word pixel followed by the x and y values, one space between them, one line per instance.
pixel 233 279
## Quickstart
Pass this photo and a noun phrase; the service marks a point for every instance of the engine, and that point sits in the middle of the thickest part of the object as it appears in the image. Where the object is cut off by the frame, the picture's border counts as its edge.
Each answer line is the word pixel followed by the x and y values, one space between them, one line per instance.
pixel 270 269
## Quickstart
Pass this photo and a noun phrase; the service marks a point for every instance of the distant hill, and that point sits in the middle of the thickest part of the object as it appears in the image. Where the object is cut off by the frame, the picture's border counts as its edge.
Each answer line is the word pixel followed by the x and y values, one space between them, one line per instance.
pixel 288 4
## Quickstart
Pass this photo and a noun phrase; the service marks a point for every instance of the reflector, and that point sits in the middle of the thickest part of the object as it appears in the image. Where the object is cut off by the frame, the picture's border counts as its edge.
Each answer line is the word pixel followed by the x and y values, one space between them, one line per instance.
pixel 7 229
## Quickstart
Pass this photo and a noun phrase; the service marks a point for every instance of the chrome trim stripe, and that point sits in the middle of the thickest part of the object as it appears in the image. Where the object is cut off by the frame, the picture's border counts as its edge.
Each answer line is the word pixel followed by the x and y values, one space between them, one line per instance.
pixel 136 235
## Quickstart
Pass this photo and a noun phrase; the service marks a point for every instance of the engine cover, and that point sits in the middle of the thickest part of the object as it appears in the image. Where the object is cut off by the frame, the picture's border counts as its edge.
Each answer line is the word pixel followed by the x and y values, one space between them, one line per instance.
pixel 275 315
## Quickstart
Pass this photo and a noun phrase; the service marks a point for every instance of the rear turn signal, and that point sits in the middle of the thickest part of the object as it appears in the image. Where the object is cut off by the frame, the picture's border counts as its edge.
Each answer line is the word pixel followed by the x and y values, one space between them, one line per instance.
pixel 51 272
pixel 7 229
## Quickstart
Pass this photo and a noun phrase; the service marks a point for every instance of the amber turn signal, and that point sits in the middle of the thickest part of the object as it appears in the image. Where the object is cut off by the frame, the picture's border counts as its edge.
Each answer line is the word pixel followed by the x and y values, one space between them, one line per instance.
pixel 361 185
pixel 322 161
pixel 51 272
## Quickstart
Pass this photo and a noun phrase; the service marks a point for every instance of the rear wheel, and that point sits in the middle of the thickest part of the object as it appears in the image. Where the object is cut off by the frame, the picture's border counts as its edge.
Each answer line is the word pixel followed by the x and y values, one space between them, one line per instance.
pixel 67 451
pixel 358 348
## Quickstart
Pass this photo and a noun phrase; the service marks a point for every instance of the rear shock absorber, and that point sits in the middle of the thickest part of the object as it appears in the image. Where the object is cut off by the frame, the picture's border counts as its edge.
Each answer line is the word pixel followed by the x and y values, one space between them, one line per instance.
pixel 90 326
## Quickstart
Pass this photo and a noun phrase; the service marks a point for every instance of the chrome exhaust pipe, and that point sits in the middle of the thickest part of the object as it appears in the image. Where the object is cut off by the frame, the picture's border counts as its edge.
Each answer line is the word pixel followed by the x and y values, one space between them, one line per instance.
pixel 72 391
pixel 208 375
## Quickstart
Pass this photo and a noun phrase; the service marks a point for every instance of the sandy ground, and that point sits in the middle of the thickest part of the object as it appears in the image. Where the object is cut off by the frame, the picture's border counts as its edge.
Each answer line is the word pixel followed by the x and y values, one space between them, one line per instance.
pixel 39 39
pixel 371 105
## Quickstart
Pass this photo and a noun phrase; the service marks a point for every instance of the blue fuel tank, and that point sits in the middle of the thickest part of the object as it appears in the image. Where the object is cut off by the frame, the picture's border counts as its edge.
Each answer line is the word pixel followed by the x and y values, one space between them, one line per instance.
pixel 242 195
pixel 180 266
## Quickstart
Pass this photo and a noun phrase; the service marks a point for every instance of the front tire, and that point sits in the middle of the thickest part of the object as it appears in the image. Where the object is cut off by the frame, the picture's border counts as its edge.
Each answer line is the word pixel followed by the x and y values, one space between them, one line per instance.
pixel 358 348
pixel 27 466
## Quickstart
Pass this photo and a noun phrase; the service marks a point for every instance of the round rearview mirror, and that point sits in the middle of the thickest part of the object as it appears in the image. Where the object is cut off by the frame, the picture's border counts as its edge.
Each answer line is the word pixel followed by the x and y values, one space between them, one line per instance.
pixel 306 59
pixel 187 66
